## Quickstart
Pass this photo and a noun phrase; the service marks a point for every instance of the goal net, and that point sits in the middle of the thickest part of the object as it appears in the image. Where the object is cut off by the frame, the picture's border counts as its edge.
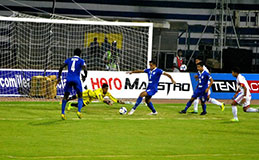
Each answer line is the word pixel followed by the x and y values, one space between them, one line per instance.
pixel 33 48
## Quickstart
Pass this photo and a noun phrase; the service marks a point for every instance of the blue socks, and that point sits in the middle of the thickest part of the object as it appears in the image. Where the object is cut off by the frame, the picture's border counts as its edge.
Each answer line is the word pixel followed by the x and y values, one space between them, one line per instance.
pixel 139 100
pixel 204 108
pixel 80 104
pixel 150 105
pixel 188 105
pixel 64 102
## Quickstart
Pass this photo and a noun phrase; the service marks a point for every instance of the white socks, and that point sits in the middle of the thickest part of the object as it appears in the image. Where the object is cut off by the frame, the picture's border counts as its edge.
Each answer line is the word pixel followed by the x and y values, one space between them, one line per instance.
pixel 214 101
pixel 234 111
pixel 195 104
pixel 252 110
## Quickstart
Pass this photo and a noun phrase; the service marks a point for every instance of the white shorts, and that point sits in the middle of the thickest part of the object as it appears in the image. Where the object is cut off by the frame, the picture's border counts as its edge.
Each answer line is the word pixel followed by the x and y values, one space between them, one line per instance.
pixel 239 99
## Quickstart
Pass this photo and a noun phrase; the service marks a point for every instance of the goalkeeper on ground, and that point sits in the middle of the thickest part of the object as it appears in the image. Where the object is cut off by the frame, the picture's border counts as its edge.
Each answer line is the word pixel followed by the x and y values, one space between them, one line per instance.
pixel 90 95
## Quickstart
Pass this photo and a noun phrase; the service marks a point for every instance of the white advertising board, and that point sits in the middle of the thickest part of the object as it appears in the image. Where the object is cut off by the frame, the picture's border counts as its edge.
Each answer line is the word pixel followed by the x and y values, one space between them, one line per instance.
pixel 123 85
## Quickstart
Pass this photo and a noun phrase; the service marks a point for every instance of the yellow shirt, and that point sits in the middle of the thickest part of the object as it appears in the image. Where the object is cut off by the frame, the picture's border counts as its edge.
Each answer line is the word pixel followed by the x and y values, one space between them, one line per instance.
pixel 89 96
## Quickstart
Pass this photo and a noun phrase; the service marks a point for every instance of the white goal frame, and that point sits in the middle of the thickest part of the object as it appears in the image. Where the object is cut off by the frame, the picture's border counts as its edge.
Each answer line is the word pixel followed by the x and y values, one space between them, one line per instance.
pixel 80 21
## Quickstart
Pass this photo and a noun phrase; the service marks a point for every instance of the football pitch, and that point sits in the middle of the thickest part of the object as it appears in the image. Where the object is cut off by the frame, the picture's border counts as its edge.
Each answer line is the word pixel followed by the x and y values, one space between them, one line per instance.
pixel 34 130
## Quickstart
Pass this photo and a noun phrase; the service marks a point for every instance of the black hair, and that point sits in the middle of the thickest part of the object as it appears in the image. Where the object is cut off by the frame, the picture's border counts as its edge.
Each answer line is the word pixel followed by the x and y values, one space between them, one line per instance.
pixel 179 50
pixel 236 69
pixel 153 62
pixel 105 85
pixel 95 38
pixel 77 52
pixel 200 64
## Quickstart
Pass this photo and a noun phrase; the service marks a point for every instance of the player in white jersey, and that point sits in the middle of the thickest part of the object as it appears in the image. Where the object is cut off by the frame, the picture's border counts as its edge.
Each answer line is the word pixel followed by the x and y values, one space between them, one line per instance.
pixel 209 99
pixel 242 95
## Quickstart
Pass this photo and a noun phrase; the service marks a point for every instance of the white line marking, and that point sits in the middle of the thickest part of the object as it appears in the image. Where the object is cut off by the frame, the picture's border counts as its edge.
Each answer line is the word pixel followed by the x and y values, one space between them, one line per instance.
pixel 127 156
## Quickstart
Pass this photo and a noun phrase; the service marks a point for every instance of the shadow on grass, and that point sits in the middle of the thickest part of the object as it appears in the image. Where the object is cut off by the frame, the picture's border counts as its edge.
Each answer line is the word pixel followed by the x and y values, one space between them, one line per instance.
pixel 49 122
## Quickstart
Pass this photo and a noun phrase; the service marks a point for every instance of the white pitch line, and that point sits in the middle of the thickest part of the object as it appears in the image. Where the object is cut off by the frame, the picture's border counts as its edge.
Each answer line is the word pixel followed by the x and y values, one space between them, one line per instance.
pixel 127 156
pixel 76 119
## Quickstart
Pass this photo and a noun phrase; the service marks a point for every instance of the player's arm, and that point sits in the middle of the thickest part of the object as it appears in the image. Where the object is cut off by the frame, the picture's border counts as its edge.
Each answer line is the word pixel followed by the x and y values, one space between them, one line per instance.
pixel 245 92
pixel 136 71
pixel 211 82
pixel 238 90
pixel 60 71
pixel 169 76
pixel 196 76
pixel 85 73
pixel 114 99
pixel 101 99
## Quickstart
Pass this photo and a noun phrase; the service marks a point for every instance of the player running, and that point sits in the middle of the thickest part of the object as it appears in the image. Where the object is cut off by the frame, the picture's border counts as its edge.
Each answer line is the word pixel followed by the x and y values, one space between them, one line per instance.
pixel 90 95
pixel 242 95
pixel 75 64
pixel 209 99
pixel 154 75
pixel 202 89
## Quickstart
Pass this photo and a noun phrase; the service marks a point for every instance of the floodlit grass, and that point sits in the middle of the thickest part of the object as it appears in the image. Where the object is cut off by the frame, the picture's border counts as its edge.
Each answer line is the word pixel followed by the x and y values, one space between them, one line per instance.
pixel 34 130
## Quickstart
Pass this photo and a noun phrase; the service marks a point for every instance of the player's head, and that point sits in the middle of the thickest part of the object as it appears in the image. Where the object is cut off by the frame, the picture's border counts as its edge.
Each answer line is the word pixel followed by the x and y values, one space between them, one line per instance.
pixel 200 66
pixel 179 52
pixel 105 88
pixel 152 64
pixel 198 60
pixel 235 71
pixel 77 52
pixel 95 39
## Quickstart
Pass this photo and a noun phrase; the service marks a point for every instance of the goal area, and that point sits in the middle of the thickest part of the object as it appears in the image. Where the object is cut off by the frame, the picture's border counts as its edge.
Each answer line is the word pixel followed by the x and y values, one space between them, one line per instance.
pixel 33 49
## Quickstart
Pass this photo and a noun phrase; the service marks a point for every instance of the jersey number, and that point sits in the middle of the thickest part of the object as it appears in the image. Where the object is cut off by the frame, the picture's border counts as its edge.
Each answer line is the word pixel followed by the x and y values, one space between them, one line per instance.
pixel 73 65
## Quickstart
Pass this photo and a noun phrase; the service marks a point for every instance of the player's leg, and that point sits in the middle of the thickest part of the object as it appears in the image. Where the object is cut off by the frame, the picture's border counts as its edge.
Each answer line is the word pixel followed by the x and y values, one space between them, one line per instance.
pixel 63 106
pixel 75 104
pixel 150 105
pixel 234 104
pixel 189 103
pixel 78 87
pixel 216 102
pixel 203 99
pixel 67 90
pixel 234 110
pixel 139 100
pixel 247 108
pixel 195 105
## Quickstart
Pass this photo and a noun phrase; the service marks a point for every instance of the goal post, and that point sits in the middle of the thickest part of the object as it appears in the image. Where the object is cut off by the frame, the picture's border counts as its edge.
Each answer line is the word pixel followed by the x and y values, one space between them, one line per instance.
pixel 35 46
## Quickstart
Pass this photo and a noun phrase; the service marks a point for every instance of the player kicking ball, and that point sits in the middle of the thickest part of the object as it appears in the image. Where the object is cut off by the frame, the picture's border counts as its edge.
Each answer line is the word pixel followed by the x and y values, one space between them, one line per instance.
pixel 242 95
pixel 154 75
pixel 75 64
pixel 202 89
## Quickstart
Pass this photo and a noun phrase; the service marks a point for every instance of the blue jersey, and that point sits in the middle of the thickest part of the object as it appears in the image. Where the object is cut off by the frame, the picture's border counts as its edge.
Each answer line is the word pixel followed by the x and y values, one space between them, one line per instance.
pixel 153 77
pixel 74 67
pixel 204 78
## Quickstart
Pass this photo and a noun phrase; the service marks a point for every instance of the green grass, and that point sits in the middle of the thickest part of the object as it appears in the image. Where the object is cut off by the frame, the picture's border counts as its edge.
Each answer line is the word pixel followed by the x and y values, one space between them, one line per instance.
pixel 34 130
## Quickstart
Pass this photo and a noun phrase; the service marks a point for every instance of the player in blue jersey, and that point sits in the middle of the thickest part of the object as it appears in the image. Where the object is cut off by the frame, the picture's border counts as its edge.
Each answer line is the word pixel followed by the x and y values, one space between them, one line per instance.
pixel 202 89
pixel 75 64
pixel 154 75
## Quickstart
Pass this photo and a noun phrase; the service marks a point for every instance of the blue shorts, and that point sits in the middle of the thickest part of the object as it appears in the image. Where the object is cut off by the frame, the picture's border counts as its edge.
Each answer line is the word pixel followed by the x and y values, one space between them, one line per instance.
pixel 151 92
pixel 201 94
pixel 75 83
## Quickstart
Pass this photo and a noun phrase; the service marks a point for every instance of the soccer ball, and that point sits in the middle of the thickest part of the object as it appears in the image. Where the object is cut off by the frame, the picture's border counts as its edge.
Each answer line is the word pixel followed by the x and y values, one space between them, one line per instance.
pixel 123 110
pixel 183 67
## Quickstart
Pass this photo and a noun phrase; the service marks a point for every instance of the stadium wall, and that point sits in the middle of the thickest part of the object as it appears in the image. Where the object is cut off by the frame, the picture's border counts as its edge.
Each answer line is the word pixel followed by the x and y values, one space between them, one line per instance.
pixel 122 85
